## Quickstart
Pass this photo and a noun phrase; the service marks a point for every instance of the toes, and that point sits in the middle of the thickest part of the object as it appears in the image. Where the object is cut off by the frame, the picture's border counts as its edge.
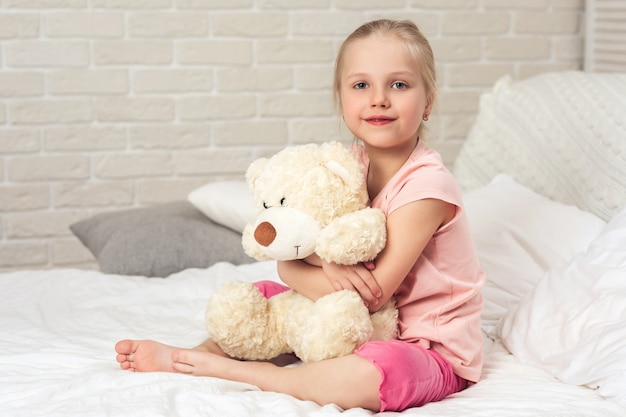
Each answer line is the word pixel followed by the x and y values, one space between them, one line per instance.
pixel 124 347
pixel 127 366
pixel 125 350
pixel 178 356
pixel 181 362
pixel 182 368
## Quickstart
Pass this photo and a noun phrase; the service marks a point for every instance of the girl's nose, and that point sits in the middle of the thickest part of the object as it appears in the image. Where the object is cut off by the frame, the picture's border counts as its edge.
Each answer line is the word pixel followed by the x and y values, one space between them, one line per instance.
pixel 379 99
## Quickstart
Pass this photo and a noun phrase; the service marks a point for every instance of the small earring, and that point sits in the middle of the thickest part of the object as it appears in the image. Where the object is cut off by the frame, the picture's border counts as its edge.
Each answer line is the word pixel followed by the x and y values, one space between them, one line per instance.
pixel 425 118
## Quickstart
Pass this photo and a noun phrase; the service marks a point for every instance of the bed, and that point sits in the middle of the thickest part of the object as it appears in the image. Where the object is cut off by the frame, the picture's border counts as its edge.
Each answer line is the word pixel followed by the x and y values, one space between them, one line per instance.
pixel 544 178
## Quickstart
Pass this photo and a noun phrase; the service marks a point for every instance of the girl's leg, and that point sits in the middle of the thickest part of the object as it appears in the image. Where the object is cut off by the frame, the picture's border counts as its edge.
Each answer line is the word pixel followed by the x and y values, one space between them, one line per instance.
pixel 413 375
pixel 151 356
pixel 349 381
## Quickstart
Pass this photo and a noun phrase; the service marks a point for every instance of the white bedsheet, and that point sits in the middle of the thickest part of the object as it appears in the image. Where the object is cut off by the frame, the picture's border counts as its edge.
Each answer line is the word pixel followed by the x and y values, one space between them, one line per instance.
pixel 58 328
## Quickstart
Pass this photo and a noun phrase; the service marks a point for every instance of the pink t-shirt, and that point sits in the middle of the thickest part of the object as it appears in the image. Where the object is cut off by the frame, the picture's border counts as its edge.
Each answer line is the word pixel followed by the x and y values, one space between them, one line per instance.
pixel 439 301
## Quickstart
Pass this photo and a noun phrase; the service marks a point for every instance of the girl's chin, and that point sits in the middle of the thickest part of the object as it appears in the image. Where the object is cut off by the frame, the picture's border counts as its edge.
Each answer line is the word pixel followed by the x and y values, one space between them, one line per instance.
pixel 388 142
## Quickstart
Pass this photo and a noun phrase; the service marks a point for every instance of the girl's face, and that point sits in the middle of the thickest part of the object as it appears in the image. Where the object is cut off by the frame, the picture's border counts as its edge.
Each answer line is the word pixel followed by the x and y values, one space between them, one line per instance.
pixel 383 98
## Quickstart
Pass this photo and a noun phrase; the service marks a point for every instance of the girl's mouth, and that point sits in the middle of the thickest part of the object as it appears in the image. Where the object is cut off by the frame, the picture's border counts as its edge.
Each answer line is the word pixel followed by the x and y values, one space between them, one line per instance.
pixel 379 120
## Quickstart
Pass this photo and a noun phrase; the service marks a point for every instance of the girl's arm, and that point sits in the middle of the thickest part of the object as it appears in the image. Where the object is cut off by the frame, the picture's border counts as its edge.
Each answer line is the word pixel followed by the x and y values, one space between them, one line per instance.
pixel 409 229
pixel 309 279
pixel 304 277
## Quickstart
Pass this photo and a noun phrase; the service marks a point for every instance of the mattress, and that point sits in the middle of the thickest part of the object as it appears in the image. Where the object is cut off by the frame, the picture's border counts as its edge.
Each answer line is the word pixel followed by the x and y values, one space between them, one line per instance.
pixel 58 329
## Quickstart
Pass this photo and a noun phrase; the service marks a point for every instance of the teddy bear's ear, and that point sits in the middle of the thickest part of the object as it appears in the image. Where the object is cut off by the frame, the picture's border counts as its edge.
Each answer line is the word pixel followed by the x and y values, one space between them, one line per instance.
pixel 343 163
pixel 253 171
pixel 339 170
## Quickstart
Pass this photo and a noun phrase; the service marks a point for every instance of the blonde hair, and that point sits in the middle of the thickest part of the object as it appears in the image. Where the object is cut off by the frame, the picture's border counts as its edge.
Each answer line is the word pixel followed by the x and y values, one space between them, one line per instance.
pixel 408 33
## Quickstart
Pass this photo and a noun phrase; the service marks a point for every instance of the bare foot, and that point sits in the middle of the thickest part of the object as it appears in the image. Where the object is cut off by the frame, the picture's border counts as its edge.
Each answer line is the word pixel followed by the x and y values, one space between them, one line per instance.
pixel 200 362
pixel 144 356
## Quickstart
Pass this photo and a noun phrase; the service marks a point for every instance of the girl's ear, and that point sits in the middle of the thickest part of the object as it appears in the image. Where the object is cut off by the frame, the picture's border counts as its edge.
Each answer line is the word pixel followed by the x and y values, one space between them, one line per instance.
pixel 430 100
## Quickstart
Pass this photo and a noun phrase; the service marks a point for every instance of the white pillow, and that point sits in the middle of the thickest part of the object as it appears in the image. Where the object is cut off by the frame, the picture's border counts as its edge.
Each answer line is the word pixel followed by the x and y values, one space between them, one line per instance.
pixel 573 324
pixel 519 235
pixel 229 203
pixel 560 134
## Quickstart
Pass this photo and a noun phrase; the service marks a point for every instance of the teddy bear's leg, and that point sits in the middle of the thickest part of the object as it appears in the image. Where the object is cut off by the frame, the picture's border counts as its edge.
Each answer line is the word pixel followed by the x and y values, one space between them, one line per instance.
pixel 385 321
pixel 337 324
pixel 239 319
pixel 295 309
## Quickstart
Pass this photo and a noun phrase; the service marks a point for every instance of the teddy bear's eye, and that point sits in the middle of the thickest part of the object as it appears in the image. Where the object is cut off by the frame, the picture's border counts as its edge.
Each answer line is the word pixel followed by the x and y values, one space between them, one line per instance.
pixel 283 203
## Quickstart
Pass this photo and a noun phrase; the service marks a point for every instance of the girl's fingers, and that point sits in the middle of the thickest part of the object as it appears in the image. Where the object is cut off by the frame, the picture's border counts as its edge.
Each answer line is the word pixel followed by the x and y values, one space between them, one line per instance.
pixel 370 265
pixel 367 287
pixel 369 280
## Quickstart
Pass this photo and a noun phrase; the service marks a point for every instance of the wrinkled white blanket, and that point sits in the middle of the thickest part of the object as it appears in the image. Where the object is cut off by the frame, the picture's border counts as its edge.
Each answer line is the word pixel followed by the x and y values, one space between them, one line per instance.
pixel 58 328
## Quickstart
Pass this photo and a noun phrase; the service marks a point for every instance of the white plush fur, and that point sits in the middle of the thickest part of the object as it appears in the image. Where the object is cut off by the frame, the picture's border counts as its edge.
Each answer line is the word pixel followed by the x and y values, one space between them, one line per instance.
pixel 310 199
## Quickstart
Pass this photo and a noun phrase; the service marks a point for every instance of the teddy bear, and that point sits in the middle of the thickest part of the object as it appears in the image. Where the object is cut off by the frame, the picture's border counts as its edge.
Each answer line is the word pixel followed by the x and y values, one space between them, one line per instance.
pixel 310 199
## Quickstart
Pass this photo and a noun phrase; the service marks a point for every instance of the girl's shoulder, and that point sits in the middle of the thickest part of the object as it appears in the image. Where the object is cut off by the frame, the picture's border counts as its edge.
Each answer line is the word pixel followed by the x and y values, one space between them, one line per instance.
pixel 425 156
pixel 424 176
pixel 425 167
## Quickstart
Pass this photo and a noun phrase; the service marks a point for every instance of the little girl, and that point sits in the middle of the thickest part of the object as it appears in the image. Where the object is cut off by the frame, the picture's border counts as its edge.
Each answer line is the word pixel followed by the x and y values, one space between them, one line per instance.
pixel 384 87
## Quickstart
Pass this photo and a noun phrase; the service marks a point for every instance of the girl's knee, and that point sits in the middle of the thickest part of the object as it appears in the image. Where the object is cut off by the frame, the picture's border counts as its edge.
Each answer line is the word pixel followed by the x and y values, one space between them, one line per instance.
pixel 410 375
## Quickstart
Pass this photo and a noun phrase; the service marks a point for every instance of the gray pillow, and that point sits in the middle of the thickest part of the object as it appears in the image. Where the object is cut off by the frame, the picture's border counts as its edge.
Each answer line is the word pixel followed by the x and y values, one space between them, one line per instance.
pixel 159 240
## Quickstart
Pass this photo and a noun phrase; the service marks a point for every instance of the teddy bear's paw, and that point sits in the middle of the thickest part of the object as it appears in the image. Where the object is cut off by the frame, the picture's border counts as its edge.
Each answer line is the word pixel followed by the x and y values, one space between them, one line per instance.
pixel 353 238
pixel 385 321
pixel 338 324
pixel 238 320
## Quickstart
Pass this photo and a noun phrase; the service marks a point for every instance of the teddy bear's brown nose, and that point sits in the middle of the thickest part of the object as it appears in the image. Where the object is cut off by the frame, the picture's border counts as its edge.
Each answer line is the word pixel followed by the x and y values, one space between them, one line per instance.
pixel 265 234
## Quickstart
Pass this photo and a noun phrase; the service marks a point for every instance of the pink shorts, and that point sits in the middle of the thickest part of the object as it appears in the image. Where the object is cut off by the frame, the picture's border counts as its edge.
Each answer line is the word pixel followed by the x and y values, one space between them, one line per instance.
pixel 411 376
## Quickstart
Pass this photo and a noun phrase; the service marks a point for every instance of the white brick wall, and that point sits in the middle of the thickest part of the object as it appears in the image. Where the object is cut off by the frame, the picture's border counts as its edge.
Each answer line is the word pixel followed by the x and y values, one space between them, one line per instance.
pixel 110 104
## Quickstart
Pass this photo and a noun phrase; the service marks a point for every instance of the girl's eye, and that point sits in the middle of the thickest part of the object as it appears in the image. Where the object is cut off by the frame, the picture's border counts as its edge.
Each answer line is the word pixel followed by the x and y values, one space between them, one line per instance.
pixel 360 85
pixel 399 85
pixel 265 205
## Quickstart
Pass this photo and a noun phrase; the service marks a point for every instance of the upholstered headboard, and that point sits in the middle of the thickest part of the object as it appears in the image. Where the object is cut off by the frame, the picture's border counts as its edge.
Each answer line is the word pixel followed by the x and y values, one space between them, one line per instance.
pixel 605 35
pixel 561 134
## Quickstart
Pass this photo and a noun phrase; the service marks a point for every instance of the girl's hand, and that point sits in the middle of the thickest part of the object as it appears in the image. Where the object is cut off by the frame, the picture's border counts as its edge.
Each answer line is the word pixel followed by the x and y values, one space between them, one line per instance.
pixel 356 278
